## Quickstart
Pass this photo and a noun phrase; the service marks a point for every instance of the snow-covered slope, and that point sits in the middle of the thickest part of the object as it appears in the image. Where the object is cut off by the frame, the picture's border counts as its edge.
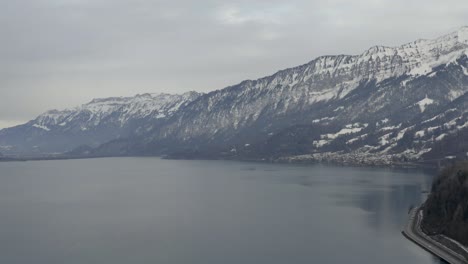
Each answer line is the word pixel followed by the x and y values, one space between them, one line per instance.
pixel 94 123
pixel 296 110
pixel 327 80
pixel 118 110
pixel 375 103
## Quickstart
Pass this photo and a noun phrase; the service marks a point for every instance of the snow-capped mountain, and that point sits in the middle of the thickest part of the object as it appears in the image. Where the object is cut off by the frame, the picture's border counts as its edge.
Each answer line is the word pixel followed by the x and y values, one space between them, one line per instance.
pixel 399 103
pixel 328 80
pixel 116 110
pixel 93 123
pixel 368 103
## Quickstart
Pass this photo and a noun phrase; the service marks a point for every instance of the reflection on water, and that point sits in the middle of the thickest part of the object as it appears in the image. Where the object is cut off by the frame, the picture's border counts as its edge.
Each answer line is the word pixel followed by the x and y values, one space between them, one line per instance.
pixel 146 210
pixel 384 206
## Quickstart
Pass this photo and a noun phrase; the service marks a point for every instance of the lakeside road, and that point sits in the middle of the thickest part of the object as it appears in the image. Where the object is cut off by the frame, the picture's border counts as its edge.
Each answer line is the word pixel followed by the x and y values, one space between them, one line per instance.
pixel 413 232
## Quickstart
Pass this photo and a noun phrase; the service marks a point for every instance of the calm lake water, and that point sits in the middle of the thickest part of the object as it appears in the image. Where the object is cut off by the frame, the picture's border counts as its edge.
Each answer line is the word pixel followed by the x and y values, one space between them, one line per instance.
pixel 147 210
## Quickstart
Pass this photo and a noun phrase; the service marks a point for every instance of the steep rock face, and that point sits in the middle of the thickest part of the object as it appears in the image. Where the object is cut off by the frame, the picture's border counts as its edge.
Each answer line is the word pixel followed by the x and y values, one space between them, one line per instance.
pixel 400 101
pixel 93 123
pixel 378 102
pixel 398 115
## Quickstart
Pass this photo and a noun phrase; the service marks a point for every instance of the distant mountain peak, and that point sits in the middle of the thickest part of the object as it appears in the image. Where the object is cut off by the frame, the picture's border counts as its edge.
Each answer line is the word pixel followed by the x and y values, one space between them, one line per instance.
pixel 463 35
pixel 399 101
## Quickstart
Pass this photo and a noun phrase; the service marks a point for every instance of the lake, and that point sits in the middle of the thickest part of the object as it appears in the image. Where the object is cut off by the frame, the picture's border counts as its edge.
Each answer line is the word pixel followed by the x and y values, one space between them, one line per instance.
pixel 148 210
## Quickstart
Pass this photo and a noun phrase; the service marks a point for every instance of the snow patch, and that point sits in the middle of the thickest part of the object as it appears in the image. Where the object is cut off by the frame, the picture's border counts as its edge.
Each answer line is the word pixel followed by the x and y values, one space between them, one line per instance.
pixel 160 115
pixel 401 134
pixel 426 64
pixel 384 140
pixel 463 35
pixel 465 70
pixel 322 119
pixel 349 129
pixel 439 138
pixel 463 126
pixel 454 94
pixel 356 139
pixel 390 128
pixel 41 127
pixel 320 143
pixel 388 148
pixel 431 119
pixel 419 134
pixel 414 154
pixel 343 131
pixel 338 108
pixel 294 79
pixel 406 81
pixel 451 123
pixel 424 103
pixel 382 122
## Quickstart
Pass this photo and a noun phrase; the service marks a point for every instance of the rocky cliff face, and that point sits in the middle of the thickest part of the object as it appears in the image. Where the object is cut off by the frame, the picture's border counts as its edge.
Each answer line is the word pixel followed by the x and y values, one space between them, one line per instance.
pixel 93 123
pixel 401 101
pixel 396 102
pixel 378 82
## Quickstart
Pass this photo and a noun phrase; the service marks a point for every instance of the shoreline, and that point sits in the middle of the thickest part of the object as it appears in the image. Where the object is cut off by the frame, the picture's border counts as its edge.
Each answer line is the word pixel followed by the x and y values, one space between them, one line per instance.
pixel 412 231
pixel 393 165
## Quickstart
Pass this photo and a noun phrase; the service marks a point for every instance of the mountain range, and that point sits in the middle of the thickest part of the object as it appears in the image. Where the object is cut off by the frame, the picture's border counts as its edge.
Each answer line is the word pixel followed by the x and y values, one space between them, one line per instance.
pixel 387 105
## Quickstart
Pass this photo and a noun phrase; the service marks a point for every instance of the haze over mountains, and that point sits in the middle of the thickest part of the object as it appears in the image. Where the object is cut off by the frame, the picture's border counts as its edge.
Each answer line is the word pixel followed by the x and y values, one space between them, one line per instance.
pixel 386 105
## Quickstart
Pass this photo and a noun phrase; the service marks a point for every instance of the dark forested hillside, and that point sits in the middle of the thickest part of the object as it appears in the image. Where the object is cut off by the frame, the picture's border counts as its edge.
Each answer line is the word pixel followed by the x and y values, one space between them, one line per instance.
pixel 446 210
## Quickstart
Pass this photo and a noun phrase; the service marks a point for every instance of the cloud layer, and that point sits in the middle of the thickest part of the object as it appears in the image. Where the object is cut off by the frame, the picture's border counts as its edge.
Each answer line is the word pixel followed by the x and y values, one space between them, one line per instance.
pixel 60 53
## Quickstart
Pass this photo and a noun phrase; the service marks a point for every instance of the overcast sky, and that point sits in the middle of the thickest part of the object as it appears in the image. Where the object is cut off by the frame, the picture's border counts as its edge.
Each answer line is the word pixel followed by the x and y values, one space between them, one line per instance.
pixel 63 53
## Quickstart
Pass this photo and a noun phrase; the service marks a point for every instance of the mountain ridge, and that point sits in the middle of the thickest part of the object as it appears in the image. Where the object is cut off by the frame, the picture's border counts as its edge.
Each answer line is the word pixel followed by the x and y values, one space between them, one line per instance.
pixel 112 117
pixel 340 100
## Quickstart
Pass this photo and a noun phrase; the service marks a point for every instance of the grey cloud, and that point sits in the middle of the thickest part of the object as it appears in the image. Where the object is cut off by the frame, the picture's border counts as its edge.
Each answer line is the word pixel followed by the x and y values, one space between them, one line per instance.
pixel 60 53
